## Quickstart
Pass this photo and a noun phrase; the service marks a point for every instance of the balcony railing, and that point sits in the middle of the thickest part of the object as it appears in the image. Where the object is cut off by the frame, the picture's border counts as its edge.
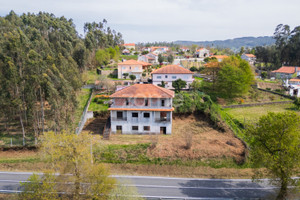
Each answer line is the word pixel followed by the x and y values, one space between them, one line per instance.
pixel 167 119
pixel 119 119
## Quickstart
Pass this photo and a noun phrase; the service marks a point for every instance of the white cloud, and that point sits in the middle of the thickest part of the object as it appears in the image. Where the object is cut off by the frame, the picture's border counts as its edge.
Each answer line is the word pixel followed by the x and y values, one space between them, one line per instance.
pixel 169 20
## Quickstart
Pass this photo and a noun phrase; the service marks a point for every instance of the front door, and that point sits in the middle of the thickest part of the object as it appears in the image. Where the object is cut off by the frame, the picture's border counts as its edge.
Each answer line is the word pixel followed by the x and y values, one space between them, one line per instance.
pixel 163 130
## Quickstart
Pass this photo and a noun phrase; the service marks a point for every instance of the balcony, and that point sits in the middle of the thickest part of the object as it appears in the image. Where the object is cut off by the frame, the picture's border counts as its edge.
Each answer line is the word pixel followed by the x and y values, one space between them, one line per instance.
pixel 119 119
pixel 164 119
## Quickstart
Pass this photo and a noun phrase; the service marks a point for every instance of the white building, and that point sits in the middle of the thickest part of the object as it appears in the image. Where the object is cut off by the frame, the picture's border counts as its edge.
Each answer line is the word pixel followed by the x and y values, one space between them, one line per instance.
pixel 170 73
pixel 132 67
pixel 129 46
pixel 294 86
pixel 202 53
pixel 149 58
pixel 249 57
pixel 286 72
pixel 142 109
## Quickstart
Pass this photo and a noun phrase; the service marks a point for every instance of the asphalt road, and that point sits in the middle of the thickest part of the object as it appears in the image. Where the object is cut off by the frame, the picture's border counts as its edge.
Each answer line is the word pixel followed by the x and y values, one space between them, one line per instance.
pixel 171 188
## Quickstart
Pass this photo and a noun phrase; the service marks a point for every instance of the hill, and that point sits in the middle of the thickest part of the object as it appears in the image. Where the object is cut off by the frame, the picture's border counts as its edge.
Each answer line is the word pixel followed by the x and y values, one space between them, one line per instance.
pixel 235 43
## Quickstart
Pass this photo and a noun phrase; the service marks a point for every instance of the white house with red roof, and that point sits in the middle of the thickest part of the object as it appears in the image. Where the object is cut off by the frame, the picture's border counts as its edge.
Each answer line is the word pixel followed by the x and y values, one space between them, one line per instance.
pixel 129 46
pixel 249 57
pixel 202 53
pixel 132 67
pixel 142 109
pixel 148 58
pixel 170 73
pixel 286 72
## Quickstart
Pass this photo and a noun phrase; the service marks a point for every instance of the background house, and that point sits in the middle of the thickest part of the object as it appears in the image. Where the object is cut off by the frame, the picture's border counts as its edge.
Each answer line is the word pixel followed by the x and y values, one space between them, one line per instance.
pixel 129 46
pixel 142 109
pixel 202 53
pixel 132 67
pixel 171 73
pixel 286 72
pixel 249 57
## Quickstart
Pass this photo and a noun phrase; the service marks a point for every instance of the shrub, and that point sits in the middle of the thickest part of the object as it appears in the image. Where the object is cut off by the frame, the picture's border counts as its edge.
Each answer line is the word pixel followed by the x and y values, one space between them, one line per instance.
pixel 269 89
pixel 271 98
pixel 242 101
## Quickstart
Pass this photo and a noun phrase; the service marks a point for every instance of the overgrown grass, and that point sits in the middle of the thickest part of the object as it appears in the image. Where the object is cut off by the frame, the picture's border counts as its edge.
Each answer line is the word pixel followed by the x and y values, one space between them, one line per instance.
pixel 254 113
pixel 90 76
pixel 95 106
pixel 82 99
pixel 129 57
pixel 137 154
pixel 20 160
pixel 198 78
pixel 16 140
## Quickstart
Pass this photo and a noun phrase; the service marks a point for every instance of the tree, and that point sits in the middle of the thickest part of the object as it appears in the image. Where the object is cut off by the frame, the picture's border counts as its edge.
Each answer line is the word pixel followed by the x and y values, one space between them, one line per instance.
pixel 102 57
pixel 125 75
pixel 193 69
pixel 263 75
pixel 297 103
pixel 196 85
pixel 234 77
pixel 132 77
pixel 39 188
pixel 170 58
pixel 160 59
pixel 242 50
pixel 178 85
pixel 275 144
pixel 71 154
pixel 163 84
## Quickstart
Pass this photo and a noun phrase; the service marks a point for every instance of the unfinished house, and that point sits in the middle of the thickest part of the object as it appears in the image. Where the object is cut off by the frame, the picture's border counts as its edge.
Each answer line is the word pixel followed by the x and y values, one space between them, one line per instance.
pixel 142 109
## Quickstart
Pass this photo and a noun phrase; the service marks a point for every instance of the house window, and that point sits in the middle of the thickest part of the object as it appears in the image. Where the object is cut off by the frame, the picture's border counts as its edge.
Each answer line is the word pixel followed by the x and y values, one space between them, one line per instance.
pixel 146 102
pixel 166 76
pixel 119 115
pixel 135 114
pixel 173 77
pixel 146 128
pixel 162 103
pixel 124 67
pixel 135 128
pixel 119 129
pixel 129 67
pixel 146 115
pixel 127 102
pixel 158 77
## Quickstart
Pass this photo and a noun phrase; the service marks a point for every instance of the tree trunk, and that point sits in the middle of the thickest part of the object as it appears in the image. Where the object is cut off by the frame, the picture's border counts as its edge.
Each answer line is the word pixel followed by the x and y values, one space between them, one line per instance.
pixel 282 195
pixel 42 111
pixel 21 122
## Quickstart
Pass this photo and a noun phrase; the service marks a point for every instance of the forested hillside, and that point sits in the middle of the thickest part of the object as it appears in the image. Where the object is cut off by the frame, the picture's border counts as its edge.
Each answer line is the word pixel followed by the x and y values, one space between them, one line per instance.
pixel 41 58
pixel 235 43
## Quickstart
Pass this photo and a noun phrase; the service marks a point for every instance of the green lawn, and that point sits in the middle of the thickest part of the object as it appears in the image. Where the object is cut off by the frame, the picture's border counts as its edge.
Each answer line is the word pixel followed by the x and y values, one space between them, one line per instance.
pixel 253 113
pixel 129 57
pixel 198 78
pixel 94 106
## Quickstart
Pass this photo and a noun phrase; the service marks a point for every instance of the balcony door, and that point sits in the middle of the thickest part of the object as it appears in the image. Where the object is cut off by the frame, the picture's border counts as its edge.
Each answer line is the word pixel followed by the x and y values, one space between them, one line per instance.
pixel 163 116
pixel 119 115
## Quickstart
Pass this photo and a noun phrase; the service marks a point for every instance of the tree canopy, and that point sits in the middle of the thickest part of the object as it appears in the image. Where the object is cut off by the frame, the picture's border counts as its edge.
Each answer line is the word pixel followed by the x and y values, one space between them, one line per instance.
pixel 275 144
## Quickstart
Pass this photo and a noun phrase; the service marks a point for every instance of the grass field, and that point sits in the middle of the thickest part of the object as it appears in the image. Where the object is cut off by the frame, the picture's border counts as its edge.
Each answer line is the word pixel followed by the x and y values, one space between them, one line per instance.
pixel 94 106
pixel 253 113
pixel 90 76
pixel 129 57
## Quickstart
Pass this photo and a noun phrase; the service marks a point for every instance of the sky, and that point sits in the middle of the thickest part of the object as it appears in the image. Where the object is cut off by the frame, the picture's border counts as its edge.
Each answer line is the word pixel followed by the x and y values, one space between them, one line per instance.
pixel 170 20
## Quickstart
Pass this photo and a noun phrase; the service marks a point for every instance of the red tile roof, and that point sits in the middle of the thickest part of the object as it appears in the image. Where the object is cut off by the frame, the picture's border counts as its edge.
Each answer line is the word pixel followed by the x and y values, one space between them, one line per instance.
pixel 219 56
pixel 172 69
pixel 294 80
pixel 143 91
pixel 250 55
pixel 286 70
pixel 129 44
pixel 134 62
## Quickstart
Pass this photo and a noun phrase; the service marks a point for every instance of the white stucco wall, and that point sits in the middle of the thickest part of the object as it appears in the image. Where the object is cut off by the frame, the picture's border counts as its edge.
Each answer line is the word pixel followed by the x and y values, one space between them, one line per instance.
pixel 136 70
pixel 169 78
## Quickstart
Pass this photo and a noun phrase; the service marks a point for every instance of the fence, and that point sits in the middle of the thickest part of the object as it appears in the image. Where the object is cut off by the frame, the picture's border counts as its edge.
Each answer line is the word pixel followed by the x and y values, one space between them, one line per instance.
pixel 8 142
pixel 84 115
pixel 256 104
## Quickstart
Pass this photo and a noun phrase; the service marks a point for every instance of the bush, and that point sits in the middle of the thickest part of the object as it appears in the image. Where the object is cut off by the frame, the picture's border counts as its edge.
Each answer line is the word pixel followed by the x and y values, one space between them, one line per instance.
pixel 100 101
pixel 193 69
pixel 269 89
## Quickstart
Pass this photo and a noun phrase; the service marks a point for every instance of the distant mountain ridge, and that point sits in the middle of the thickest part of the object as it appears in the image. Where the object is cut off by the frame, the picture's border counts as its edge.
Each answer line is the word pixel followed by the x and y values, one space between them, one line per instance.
pixel 235 43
